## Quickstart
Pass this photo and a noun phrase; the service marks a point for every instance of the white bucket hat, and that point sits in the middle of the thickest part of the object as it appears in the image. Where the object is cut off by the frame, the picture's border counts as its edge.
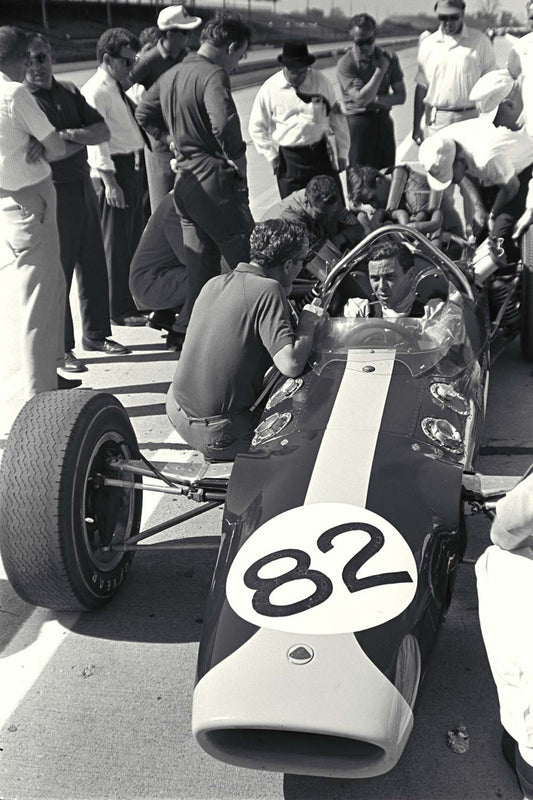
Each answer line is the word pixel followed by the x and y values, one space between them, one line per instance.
pixel 489 91
pixel 177 17
pixel 437 155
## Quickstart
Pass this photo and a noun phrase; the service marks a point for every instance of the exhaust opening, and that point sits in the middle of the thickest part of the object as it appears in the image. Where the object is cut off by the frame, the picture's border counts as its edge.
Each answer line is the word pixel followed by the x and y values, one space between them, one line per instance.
pixel 289 751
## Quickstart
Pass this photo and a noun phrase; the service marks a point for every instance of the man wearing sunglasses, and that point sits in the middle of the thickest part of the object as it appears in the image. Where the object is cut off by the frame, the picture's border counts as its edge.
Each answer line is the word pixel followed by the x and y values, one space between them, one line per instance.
pixel 372 82
pixel 450 61
pixel 116 167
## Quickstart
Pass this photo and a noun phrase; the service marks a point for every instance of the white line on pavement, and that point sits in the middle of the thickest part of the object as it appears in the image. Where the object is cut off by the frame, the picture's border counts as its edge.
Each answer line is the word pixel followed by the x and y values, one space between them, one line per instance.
pixel 22 663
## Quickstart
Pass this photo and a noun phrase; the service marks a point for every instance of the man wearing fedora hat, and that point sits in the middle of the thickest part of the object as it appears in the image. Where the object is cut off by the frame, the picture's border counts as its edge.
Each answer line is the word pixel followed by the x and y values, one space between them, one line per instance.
pixel 450 61
pixel 296 122
pixel 176 26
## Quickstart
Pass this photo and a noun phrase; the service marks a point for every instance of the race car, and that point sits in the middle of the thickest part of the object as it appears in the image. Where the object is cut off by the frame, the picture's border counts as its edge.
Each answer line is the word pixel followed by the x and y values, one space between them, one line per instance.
pixel 343 526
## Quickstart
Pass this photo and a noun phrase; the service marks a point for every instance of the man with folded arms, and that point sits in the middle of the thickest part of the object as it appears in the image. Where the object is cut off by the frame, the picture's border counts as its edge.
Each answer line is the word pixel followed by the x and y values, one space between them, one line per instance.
pixel 28 216
pixel 78 216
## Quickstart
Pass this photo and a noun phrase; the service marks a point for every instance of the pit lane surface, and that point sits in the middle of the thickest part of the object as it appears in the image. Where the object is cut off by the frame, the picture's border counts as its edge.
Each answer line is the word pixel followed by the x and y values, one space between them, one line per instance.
pixel 97 706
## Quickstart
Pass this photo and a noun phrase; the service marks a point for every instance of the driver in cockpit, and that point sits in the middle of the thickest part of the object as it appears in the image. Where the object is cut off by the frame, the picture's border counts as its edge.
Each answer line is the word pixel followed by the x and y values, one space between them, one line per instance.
pixel 392 280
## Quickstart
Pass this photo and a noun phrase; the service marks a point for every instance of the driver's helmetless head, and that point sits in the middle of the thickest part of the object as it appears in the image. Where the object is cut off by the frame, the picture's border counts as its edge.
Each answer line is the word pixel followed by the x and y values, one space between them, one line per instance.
pixel 389 272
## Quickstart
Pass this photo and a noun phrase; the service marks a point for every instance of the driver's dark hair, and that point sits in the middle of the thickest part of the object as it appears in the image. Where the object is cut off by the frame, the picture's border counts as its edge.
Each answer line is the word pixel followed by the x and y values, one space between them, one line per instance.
pixel 40 38
pixel 385 250
pixel 225 28
pixel 362 21
pixel 113 40
pixel 322 190
pixel 274 241
pixel 359 181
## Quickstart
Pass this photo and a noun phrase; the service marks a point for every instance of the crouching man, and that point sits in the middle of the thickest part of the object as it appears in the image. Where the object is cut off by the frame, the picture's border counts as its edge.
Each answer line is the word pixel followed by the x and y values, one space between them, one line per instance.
pixel 239 326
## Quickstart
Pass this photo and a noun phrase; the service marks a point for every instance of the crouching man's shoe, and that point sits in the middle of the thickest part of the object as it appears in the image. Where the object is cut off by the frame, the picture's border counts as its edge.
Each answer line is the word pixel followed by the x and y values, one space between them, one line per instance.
pixel 175 341
pixel 131 320
pixel 66 383
pixel 105 346
pixel 161 320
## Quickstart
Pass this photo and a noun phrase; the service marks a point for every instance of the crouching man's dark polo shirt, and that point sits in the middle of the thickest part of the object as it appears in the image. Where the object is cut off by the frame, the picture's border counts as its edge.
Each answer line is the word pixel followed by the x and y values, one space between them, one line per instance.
pixel 238 324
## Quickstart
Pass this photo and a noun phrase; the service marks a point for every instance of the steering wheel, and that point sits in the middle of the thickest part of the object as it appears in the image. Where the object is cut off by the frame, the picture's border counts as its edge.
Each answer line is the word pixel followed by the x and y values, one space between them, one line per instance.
pixel 364 334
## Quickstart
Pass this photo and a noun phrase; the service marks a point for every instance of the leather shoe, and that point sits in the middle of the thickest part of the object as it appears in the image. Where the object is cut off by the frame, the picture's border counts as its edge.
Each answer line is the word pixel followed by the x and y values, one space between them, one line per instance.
pixel 73 364
pixel 65 383
pixel 131 320
pixel 161 320
pixel 105 346
pixel 175 341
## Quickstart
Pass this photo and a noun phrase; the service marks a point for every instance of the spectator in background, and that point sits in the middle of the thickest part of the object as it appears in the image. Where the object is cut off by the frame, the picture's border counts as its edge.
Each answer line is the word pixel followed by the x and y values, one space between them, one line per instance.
pixel 175 25
pixel 450 61
pixel 192 103
pixel 116 166
pixel 78 216
pixel 158 277
pixel 504 576
pixel 28 215
pixel 296 122
pixel 372 82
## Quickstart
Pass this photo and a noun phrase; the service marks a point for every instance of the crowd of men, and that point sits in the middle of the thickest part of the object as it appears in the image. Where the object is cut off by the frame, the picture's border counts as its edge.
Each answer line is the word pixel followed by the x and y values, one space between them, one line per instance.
pixel 157 120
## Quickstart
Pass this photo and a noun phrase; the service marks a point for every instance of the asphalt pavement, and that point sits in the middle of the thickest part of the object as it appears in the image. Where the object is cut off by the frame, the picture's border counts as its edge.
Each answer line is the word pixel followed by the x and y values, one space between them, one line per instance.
pixel 97 706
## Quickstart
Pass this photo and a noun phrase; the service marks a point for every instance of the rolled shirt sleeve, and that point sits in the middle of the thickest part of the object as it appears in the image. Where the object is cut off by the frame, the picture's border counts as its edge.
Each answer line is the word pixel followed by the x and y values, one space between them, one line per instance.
pixel 260 125
pixel 28 116
pixel 273 321
pixel 337 120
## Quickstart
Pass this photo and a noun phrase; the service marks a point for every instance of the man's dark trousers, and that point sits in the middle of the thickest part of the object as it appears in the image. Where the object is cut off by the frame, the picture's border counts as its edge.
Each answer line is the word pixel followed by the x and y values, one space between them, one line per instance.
pixel 82 249
pixel 121 230
pixel 297 165
pixel 212 202
pixel 372 142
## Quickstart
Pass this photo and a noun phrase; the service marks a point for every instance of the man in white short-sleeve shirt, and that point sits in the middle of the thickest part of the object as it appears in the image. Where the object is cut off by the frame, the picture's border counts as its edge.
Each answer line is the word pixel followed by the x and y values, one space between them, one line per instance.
pixel 521 63
pixel 450 61
pixel 28 216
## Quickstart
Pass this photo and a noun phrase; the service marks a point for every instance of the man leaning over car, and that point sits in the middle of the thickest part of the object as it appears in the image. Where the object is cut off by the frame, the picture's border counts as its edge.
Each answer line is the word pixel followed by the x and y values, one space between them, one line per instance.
pixel 220 373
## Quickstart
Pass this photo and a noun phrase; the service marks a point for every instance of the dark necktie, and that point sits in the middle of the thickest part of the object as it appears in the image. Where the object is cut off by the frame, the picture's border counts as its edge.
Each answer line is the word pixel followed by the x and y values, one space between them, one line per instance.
pixel 131 105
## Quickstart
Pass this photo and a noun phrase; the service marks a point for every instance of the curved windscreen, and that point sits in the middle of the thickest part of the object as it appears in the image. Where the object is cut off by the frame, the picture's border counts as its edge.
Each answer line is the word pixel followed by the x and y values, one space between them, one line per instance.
pixel 420 343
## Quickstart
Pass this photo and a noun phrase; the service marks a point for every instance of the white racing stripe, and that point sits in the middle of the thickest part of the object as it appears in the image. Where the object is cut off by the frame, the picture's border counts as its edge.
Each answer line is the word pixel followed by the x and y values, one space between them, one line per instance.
pixel 344 462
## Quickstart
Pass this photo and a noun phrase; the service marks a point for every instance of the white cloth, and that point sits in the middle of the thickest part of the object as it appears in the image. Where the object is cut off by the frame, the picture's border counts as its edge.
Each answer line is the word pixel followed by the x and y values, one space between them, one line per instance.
pixel 449 66
pixel 20 117
pixel 360 307
pixel 494 154
pixel 102 92
pixel 505 587
pixel 280 118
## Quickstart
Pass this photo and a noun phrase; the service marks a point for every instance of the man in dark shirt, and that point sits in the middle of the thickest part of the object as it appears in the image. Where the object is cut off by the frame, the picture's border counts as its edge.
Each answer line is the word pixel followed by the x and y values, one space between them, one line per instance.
pixel 78 216
pixel 240 324
pixel 193 102
pixel 372 82
pixel 175 24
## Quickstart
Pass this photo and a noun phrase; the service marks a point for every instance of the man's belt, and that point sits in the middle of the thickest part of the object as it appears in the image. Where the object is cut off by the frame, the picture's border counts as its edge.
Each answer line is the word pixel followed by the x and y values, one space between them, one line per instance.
pixel 451 109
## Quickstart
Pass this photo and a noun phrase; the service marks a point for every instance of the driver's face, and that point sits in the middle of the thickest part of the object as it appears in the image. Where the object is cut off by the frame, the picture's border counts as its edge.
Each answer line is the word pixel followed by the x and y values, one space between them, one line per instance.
pixel 389 282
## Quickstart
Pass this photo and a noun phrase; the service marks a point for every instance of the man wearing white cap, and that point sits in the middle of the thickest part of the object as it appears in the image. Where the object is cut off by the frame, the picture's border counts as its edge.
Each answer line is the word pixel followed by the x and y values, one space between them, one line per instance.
pixel 505 588
pixel 450 61
pixel 496 151
pixel 176 25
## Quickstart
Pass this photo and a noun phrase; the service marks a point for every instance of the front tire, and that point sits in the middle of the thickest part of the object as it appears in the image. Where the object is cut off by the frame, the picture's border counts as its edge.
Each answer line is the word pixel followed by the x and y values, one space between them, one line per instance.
pixel 57 520
pixel 526 307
